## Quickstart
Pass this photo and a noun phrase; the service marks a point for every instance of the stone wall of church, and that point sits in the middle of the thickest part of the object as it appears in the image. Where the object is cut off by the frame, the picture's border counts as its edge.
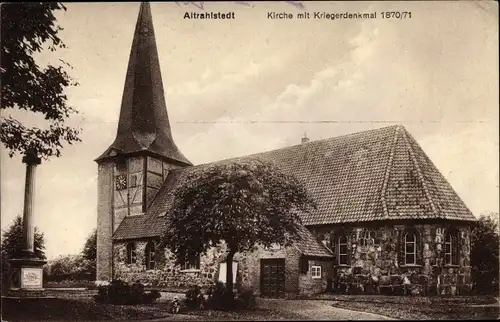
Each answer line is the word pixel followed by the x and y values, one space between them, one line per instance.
pixel 250 267
pixel 312 285
pixel 376 259
pixel 166 272
pixel 375 263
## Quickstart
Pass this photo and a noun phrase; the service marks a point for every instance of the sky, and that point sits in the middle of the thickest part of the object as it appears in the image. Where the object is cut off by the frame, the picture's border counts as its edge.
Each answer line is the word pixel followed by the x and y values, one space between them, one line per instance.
pixel 252 84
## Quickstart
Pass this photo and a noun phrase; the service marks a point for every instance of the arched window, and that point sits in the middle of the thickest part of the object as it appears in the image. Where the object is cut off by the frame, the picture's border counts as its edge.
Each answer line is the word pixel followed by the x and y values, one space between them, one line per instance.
pixel 150 255
pixel 368 238
pixel 343 252
pixel 131 256
pixel 451 248
pixel 410 248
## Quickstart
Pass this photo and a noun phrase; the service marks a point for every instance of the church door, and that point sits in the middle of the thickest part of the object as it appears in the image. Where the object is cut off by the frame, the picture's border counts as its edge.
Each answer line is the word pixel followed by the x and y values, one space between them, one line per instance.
pixel 272 277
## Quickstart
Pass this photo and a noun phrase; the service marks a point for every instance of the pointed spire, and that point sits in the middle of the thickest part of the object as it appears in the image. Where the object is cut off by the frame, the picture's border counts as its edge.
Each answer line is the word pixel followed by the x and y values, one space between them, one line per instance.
pixel 144 123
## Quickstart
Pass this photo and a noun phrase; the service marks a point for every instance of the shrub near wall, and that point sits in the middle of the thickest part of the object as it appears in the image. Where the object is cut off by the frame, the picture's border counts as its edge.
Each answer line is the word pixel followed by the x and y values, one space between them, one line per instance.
pixel 119 292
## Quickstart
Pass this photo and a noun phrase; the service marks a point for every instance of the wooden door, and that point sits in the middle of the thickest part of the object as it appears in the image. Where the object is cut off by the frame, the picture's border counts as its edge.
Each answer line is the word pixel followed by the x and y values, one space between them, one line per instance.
pixel 272 277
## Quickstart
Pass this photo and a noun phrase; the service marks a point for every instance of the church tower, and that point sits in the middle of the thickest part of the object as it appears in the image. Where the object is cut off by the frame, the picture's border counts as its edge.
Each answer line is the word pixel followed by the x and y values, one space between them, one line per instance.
pixel 133 168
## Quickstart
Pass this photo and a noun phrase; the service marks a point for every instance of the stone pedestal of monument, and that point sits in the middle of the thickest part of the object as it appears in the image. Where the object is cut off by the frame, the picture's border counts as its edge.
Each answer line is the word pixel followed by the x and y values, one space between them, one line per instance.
pixel 26 277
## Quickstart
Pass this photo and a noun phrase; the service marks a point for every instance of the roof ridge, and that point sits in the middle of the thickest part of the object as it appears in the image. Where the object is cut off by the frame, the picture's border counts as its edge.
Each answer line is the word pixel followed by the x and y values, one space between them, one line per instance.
pixel 345 135
pixel 302 144
pixel 388 171
pixel 420 175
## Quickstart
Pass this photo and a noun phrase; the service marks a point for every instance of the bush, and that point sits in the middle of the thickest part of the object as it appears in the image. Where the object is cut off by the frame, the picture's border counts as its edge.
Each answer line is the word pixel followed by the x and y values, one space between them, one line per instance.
pixel 151 297
pixel 121 293
pixel 217 297
pixel 245 299
pixel 194 297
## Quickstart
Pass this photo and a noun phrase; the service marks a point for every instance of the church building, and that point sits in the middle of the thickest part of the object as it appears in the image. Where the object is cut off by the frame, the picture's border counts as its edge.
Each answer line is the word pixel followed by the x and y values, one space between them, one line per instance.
pixel 387 220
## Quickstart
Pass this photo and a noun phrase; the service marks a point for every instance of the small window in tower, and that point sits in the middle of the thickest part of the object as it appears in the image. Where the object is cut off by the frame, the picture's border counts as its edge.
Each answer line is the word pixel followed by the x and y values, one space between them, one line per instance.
pixel 133 180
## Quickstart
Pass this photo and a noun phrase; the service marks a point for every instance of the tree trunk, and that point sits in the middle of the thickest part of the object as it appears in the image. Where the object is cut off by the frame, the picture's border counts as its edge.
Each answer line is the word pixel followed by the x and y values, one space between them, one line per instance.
pixel 229 277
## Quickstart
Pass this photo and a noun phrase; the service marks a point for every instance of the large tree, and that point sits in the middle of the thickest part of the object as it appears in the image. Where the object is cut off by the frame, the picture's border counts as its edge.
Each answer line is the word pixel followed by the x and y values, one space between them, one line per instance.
pixel 13 243
pixel 26 30
pixel 484 253
pixel 242 204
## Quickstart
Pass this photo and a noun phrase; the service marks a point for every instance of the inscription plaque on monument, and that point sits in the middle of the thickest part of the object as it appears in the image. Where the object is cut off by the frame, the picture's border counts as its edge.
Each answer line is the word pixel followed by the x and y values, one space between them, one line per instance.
pixel 31 277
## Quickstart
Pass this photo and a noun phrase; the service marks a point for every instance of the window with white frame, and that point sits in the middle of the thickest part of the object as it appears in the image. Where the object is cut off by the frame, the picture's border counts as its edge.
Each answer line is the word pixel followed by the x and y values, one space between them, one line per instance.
pixel 131 255
pixel 451 248
pixel 343 252
pixel 410 248
pixel 316 271
pixel 150 255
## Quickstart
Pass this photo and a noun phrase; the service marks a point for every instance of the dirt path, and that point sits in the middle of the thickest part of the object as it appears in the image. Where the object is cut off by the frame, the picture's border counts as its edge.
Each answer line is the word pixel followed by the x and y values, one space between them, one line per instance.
pixel 317 310
pixel 289 310
pixel 497 304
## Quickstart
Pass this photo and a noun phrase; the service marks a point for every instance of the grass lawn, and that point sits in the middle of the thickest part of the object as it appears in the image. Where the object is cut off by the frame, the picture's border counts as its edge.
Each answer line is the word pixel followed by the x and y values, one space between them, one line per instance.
pixel 70 284
pixel 57 309
pixel 73 309
pixel 421 308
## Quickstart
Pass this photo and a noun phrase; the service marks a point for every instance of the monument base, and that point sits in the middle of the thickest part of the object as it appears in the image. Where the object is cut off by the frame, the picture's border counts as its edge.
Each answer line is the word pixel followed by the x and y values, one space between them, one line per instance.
pixel 26 277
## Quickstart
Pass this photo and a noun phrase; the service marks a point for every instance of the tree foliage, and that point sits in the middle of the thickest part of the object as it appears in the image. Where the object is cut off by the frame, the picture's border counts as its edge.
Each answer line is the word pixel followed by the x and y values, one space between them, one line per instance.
pixel 13 244
pixel 65 267
pixel 484 253
pixel 89 256
pixel 28 29
pixel 75 267
pixel 242 204
pixel 89 251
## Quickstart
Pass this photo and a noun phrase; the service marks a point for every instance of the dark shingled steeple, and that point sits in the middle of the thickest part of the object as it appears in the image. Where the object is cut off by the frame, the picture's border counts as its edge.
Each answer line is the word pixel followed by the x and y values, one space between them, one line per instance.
pixel 144 124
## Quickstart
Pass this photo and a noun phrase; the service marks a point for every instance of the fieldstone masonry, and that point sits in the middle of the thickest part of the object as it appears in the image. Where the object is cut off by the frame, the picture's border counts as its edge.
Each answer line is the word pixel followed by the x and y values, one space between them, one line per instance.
pixel 170 275
pixel 377 264
pixel 166 272
pixel 308 285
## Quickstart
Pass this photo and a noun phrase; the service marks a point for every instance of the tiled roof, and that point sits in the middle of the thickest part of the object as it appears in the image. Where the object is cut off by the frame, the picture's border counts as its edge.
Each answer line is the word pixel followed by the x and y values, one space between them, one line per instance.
pixel 380 174
pixel 309 245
